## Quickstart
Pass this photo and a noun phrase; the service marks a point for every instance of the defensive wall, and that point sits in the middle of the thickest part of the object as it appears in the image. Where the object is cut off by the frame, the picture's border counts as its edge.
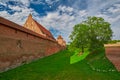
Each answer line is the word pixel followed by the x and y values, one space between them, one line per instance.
pixel 113 54
pixel 19 45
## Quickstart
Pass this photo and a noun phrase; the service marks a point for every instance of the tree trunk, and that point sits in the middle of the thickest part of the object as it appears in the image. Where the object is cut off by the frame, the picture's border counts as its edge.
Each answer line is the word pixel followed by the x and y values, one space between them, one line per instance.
pixel 82 49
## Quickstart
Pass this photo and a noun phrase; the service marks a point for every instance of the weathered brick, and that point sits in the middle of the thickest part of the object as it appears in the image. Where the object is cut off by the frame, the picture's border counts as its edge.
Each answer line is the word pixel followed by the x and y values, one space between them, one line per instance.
pixel 19 45
pixel 113 54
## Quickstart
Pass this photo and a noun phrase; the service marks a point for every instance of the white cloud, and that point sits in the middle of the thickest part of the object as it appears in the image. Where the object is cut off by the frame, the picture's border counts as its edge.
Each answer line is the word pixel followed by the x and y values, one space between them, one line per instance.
pixel 70 16
pixel 82 13
pixel 63 22
pixel 114 21
pixel 20 12
pixel 17 17
pixel 24 2
pixel 65 9
pixel 116 34
pixel 16 8
pixel 114 10
pixel 2 3
pixel 50 2
pixel 94 6
pixel 37 1
pixel 56 20
pixel 111 14
pixel 117 5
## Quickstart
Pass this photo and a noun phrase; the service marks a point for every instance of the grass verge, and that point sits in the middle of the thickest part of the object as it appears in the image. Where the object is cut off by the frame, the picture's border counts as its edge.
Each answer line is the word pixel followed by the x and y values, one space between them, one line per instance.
pixel 58 67
pixel 78 57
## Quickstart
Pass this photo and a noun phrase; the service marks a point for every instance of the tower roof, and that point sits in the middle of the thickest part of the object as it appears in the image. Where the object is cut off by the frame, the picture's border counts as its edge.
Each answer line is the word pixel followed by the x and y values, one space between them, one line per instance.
pixel 59 37
pixel 31 23
pixel 30 15
pixel 45 31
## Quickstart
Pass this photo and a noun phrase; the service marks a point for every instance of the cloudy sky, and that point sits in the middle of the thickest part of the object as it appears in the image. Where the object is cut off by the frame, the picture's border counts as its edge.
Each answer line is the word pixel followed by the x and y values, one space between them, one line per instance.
pixel 59 16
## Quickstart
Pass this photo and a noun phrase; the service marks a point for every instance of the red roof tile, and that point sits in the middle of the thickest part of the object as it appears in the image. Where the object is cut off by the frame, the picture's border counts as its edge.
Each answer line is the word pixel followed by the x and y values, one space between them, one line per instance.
pixel 44 31
pixel 59 37
pixel 21 28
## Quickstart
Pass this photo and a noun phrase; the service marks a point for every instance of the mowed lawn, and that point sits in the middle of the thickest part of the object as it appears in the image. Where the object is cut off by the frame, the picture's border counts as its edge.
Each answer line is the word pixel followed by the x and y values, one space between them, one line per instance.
pixel 58 67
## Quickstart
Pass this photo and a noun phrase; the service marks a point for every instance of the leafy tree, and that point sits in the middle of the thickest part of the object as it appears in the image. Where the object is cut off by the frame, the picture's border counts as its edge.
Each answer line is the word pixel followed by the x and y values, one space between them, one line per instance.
pixel 93 33
pixel 79 36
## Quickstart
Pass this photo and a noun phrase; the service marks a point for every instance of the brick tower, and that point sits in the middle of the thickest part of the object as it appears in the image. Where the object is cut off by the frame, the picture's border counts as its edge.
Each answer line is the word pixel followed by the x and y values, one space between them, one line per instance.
pixel 61 41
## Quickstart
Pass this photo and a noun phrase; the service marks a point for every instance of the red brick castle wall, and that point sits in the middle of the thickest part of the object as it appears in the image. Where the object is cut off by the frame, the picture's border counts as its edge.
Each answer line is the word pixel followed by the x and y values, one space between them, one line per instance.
pixel 113 54
pixel 19 45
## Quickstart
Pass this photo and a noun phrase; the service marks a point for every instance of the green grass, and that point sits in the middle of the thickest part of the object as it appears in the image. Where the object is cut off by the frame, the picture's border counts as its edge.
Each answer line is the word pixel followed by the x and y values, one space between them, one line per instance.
pixel 78 57
pixel 58 67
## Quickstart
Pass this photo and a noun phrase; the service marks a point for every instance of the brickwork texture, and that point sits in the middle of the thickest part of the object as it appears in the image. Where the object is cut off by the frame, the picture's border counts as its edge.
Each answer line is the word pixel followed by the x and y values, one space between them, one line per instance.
pixel 113 54
pixel 19 45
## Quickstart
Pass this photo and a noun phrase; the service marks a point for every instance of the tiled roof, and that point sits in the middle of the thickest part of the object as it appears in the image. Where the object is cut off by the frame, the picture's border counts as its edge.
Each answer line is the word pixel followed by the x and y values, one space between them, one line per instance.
pixel 21 28
pixel 59 37
pixel 44 31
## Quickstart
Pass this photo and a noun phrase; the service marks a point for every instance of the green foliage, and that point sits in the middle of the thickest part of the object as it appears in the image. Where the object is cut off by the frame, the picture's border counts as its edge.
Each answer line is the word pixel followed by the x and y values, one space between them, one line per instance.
pixel 79 36
pixel 92 33
pixel 113 41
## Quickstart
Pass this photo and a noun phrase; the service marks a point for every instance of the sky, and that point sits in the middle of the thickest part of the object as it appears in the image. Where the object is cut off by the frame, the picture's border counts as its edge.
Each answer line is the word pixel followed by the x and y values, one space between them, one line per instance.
pixel 60 16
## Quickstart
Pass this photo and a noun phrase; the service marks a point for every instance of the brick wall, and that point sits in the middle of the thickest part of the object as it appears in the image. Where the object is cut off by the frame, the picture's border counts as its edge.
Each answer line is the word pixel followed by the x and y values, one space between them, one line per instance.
pixel 19 45
pixel 113 54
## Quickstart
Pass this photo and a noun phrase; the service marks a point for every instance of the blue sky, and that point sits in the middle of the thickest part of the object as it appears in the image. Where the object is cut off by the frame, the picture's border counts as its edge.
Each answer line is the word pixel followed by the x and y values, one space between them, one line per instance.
pixel 59 16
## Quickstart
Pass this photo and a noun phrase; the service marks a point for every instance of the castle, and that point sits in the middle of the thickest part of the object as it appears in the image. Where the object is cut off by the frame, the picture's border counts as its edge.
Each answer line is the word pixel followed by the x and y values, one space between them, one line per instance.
pixel 23 44
pixel 36 27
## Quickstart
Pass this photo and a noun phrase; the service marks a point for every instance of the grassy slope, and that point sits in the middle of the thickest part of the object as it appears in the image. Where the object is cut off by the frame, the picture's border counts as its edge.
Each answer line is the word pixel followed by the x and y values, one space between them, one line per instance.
pixel 78 57
pixel 58 67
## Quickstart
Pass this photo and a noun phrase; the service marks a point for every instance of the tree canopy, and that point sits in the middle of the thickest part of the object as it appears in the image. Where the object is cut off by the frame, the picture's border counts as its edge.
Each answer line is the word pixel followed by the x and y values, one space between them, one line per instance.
pixel 91 33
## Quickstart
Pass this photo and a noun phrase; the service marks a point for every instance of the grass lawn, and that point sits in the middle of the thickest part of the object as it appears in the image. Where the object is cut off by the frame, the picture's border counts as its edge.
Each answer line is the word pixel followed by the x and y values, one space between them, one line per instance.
pixel 78 57
pixel 58 67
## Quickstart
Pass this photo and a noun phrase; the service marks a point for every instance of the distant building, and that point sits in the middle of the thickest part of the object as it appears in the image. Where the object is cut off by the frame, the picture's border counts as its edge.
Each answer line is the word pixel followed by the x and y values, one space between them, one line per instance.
pixel 61 41
pixel 33 25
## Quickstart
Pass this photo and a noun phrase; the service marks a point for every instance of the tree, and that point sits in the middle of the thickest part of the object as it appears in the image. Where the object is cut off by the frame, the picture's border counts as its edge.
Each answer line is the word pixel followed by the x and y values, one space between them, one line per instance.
pixel 79 36
pixel 93 33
